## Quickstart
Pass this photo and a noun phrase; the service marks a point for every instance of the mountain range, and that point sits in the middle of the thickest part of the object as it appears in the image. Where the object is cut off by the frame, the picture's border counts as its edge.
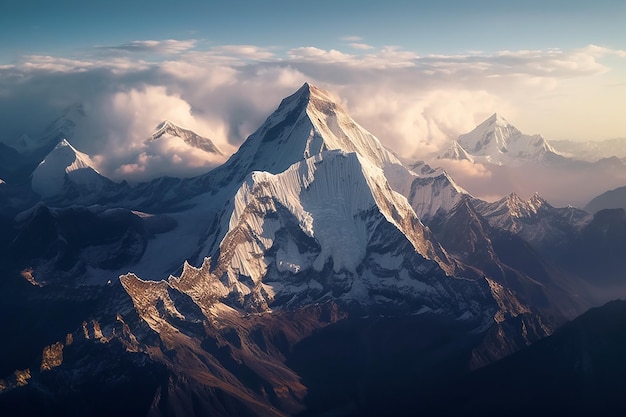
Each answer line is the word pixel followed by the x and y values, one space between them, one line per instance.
pixel 312 273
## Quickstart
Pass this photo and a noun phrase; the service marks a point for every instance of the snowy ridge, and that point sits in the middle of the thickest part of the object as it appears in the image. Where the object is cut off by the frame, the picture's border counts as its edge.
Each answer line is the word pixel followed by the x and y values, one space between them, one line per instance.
pixel 531 219
pixel 326 194
pixel 435 194
pixel 512 212
pixel 169 129
pixel 496 141
pixel 65 163
pixel 515 206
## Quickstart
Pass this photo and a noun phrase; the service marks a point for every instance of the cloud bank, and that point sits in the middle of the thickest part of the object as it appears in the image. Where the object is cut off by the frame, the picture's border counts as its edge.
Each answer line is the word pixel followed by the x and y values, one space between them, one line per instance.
pixel 415 104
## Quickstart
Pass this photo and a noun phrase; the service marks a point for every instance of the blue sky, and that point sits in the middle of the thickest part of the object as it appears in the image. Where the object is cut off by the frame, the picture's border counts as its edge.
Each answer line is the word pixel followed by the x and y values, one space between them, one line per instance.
pixel 447 26
pixel 416 74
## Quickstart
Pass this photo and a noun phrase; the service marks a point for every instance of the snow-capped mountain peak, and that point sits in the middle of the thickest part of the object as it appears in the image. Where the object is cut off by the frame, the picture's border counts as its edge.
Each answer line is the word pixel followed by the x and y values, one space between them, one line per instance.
pixel 62 164
pixel 168 129
pixel 305 124
pixel 515 206
pixel 496 141
pixel 309 123
pixel 64 154
pixel 491 135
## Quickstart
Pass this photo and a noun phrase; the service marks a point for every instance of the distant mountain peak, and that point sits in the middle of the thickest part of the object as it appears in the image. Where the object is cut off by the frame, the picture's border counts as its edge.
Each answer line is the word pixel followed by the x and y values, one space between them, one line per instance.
pixel 65 149
pixel 494 132
pixel 496 141
pixel 520 208
pixel 65 163
pixel 167 128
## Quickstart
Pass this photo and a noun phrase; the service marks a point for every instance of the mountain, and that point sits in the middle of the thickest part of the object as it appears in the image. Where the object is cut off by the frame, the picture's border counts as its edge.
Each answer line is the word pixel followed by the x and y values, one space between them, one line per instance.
pixel 66 171
pixel 580 249
pixel 328 228
pixel 513 242
pixel 611 199
pixel 319 214
pixel 496 141
pixel 510 160
pixel 76 245
pixel 167 129
pixel 298 231
pixel 304 124
pixel 433 192
pixel 535 220
pixel 595 253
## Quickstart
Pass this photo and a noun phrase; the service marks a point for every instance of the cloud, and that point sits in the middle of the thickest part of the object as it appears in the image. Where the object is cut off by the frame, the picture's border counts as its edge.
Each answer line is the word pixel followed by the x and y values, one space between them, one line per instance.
pixel 249 52
pixel 168 46
pixel 361 46
pixel 127 119
pixel 351 38
pixel 414 103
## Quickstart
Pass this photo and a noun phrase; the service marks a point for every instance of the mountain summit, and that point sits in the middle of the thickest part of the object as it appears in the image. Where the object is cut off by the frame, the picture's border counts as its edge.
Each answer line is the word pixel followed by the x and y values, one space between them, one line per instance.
pixel 168 129
pixel 66 167
pixel 305 124
pixel 496 141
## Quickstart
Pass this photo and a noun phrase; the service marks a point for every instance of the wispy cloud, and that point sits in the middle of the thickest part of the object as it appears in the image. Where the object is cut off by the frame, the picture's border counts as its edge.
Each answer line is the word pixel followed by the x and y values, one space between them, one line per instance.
pixel 351 38
pixel 360 46
pixel 168 46
pixel 248 52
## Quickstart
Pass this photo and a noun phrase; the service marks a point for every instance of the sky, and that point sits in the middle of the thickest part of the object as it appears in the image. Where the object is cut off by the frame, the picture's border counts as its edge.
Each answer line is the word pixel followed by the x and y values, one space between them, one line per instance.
pixel 416 74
